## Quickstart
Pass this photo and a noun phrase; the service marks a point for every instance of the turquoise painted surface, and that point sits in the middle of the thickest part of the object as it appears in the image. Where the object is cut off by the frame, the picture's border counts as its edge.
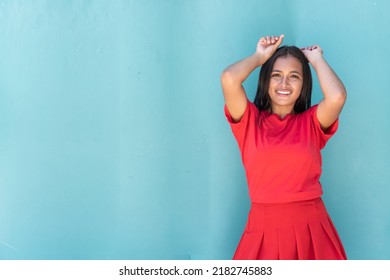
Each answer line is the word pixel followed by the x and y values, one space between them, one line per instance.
pixel 113 142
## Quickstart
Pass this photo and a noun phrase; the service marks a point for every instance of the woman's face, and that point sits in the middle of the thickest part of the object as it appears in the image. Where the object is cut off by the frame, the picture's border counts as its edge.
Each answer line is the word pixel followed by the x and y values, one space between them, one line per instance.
pixel 285 83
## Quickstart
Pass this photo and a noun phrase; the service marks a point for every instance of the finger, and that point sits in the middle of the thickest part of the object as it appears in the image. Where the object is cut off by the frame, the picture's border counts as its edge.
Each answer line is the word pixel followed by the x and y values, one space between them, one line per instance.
pixel 308 48
pixel 263 41
pixel 275 39
pixel 271 40
pixel 279 40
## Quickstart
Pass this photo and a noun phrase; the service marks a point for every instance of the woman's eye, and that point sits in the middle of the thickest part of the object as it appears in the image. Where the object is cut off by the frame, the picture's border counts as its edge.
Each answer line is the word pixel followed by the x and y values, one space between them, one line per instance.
pixel 276 75
pixel 294 77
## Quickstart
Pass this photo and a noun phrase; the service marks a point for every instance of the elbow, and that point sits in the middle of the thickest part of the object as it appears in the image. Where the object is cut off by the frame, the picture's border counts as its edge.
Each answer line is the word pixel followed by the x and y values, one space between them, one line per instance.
pixel 339 98
pixel 229 78
pixel 226 77
pixel 342 96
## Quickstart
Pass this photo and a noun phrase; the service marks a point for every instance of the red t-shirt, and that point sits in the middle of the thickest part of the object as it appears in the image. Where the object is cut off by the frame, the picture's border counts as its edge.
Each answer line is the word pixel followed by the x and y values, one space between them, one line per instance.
pixel 281 157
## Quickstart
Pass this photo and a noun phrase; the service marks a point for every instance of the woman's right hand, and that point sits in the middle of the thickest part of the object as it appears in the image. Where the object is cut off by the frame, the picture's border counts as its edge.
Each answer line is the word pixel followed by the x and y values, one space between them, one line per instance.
pixel 266 47
pixel 234 75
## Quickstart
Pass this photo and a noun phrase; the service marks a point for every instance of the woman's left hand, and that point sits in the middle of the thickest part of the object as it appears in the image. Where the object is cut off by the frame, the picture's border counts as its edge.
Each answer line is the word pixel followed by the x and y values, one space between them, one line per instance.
pixel 333 89
pixel 312 53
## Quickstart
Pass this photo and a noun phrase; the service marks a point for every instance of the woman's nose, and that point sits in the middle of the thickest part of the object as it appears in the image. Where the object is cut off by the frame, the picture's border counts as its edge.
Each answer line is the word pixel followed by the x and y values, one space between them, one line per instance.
pixel 284 81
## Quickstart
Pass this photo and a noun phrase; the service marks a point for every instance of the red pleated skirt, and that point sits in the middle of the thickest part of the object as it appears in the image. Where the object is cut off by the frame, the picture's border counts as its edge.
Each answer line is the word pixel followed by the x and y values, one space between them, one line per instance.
pixel 299 230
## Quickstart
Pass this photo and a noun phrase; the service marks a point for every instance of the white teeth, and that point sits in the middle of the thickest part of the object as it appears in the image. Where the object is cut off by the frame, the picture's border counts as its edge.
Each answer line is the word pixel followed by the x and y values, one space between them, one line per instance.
pixel 283 92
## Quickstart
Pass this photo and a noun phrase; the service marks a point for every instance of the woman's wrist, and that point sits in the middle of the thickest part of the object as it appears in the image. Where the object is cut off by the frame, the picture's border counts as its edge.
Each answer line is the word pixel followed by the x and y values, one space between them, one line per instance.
pixel 317 61
pixel 259 58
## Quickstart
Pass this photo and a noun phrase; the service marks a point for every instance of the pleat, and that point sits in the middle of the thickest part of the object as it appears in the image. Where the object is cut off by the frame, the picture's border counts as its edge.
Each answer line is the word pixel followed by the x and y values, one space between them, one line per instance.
pixel 324 247
pixel 299 230
pixel 334 244
pixel 249 246
pixel 270 246
pixel 252 240
pixel 287 244
pixel 338 244
pixel 305 250
pixel 326 242
pixel 316 240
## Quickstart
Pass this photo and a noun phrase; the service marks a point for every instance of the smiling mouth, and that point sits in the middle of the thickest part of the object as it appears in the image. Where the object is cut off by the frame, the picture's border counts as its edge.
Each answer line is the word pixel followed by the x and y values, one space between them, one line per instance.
pixel 284 92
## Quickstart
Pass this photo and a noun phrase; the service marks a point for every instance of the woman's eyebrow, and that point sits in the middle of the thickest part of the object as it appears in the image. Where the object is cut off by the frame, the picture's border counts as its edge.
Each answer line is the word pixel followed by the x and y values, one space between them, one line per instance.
pixel 294 71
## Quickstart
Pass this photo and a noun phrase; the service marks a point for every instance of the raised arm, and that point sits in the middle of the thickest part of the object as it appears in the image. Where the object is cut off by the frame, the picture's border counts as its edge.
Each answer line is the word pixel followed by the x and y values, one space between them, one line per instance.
pixel 333 89
pixel 234 75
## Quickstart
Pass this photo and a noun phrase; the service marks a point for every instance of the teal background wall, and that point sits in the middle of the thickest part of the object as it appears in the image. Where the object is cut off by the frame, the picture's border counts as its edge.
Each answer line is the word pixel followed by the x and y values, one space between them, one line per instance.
pixel 113 142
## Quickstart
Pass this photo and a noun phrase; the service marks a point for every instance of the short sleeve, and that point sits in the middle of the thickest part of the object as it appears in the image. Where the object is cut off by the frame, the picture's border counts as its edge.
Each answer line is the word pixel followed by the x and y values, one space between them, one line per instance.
pixel 243 119
pixel 242 128
pixel 323 136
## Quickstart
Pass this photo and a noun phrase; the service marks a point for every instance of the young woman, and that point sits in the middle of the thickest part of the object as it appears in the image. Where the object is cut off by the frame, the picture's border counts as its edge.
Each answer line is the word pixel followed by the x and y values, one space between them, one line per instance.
pixel 280 136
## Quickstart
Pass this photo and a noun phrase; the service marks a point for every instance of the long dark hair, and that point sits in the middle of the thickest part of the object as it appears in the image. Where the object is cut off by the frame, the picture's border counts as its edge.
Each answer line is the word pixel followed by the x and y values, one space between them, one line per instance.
pixel 262 99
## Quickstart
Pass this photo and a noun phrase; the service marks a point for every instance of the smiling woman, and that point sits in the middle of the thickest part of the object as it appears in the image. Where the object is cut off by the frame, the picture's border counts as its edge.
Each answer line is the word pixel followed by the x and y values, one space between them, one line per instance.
pixel 280 137
pixel 285 85
pixel 289 69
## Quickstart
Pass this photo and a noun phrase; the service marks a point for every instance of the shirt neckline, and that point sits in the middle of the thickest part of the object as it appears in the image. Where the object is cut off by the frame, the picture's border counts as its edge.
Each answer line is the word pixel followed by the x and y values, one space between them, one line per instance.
pixel 276 116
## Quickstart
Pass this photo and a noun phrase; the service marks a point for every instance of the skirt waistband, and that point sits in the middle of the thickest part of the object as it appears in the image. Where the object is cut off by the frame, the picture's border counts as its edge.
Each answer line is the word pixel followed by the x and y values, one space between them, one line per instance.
pixel 288 213
pixel 314 201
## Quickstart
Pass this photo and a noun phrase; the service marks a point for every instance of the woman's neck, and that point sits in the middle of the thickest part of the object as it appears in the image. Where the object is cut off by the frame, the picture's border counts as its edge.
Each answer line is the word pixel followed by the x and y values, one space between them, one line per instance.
pixel 282 111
